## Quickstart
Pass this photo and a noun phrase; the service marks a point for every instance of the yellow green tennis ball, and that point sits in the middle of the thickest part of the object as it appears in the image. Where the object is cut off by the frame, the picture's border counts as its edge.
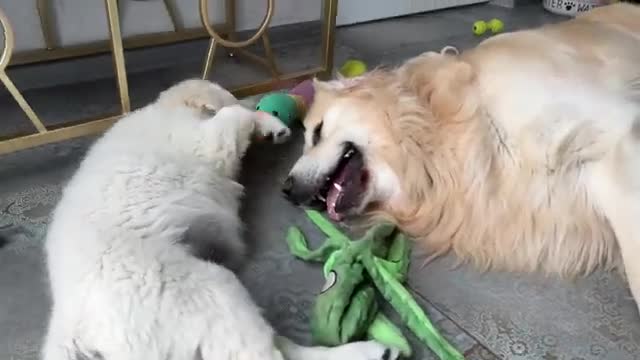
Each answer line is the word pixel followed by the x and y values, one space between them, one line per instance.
pixel 353 68
pixel 496 25
pixel 480 27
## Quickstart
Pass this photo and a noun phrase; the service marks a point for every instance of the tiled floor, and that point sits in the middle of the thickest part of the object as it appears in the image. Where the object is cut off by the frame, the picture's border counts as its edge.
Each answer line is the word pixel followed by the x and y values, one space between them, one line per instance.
pixel 488 316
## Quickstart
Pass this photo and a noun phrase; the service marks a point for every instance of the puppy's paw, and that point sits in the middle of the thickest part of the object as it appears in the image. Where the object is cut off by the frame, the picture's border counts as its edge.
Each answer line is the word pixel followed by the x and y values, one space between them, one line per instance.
pixel 270 128
pixel 369 350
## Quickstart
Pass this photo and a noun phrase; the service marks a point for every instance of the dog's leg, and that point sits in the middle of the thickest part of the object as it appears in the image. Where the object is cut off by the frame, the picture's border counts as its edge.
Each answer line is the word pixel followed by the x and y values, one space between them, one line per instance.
pixel 270 127
pixel 217 238
pixel 56 351
pixel 243 123
pixel 56 343
pixel 615 183
pixel 60 346
pixel 241 332
pixel 229 133
pixel 362 350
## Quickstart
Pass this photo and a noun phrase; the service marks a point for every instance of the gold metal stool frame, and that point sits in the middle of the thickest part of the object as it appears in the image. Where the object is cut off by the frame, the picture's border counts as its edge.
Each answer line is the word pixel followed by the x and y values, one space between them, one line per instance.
pixel 89 127
pixel 269 62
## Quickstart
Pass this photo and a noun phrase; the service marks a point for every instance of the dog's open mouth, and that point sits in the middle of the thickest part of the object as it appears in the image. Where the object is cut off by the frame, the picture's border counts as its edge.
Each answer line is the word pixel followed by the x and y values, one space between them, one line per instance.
pixel 345 185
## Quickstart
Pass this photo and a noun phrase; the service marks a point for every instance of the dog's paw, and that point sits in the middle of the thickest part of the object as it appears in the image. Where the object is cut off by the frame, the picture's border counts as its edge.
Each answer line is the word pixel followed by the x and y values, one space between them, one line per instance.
pixel 270 128
pixel 370 350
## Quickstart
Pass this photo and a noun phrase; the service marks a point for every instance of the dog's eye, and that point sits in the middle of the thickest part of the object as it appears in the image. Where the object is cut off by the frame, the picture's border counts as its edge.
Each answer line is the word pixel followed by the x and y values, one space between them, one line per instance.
pixel 317 133
pixel 209 111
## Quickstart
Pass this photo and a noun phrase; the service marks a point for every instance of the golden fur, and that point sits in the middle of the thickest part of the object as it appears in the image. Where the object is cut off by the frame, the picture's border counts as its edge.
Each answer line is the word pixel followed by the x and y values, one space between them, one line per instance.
pixel 477 175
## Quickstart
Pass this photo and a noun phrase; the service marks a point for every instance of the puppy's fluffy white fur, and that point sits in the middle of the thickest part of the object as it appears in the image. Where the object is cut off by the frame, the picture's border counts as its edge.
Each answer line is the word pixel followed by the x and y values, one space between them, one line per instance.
pixel 124 283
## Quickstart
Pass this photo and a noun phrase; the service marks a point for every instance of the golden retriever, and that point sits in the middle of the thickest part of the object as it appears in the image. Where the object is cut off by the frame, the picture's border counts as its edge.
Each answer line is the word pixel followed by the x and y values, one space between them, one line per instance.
pixel 521 154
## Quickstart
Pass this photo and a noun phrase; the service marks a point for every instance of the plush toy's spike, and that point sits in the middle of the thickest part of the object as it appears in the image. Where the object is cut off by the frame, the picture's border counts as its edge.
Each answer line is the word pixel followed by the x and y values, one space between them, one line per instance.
pixel 305 92
pixel 326 226
pixel 298 247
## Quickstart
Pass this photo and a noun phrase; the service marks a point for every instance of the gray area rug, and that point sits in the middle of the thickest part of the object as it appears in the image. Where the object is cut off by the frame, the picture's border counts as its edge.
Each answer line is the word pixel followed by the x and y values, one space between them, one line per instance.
pixel 487 316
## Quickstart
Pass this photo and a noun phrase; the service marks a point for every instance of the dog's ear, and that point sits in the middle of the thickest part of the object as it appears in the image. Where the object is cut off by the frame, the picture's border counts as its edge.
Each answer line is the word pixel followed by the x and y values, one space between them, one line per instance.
pixel 451 90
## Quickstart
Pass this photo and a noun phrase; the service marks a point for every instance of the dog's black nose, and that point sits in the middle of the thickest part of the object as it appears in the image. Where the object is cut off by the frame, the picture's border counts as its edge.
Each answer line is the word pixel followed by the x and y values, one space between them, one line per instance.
pixel 298 191
pixel 287 186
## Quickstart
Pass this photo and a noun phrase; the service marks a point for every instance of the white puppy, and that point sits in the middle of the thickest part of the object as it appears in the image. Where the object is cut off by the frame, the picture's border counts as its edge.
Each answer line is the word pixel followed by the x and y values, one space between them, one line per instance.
pixel 134 247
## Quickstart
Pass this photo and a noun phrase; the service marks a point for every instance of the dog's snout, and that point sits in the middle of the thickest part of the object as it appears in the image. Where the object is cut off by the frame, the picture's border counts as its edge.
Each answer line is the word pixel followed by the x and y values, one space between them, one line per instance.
pixel 298 191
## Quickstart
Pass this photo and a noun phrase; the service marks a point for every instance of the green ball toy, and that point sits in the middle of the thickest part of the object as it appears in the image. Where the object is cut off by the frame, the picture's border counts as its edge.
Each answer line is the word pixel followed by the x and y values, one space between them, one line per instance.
pixel 495 25
pixel 280 105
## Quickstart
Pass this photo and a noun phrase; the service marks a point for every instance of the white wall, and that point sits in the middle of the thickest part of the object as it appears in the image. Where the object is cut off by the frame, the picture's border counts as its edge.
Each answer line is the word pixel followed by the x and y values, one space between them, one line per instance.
pixel 82 21
pixel 356 11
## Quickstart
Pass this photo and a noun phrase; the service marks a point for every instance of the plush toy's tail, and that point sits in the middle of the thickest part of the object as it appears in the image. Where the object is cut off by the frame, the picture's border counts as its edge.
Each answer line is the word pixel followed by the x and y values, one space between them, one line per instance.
pixel 385 332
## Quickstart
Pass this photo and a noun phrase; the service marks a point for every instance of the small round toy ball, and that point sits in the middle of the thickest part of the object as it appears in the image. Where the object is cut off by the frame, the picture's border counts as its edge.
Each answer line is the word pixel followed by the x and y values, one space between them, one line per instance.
pixel 496 25
pixel 353 68
pixel 480 27
pixel 280 105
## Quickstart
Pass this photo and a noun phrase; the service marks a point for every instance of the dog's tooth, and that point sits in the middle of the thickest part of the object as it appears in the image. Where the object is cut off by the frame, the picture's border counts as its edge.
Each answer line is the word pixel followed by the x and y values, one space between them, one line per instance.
pixel 321 198
pixel 337 186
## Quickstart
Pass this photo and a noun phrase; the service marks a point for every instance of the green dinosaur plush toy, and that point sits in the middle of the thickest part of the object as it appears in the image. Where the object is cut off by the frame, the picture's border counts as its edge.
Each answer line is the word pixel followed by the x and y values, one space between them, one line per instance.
pixel 346 309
